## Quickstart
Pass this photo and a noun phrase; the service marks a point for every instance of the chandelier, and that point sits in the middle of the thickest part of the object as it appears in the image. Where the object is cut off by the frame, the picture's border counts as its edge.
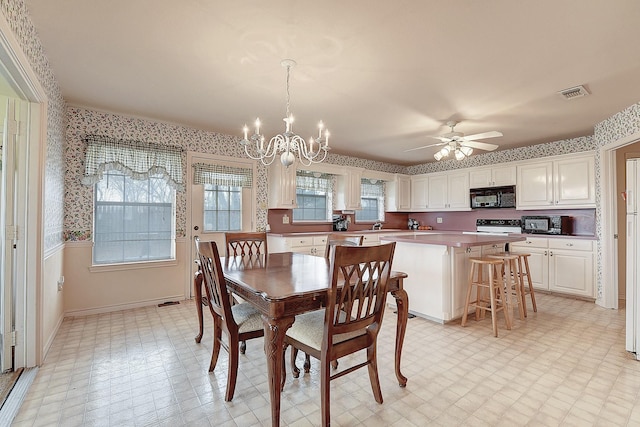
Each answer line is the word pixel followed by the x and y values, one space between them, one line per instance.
pixel 288 144
pixel 459 151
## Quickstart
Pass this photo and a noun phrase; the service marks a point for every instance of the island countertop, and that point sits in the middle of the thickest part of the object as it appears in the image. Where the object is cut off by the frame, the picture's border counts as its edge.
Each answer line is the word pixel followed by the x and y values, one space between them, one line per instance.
pixel 458 240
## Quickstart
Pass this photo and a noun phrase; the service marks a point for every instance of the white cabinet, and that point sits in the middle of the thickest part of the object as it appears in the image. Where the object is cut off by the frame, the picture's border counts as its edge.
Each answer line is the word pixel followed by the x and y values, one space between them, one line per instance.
pixel 308 244
pixel 282 186
pixel 492 177
pixel 460 283
pixel 398 193
pixel 448 192
pixel 558 183
pixel 419 192
pixel 349 189
pixel 561 264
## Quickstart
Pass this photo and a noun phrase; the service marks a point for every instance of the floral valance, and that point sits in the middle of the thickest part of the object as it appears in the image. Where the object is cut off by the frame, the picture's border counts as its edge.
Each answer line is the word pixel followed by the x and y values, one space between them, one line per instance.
pixel 372 188
pixel 206 173
pixel 313 181
pixel 136 159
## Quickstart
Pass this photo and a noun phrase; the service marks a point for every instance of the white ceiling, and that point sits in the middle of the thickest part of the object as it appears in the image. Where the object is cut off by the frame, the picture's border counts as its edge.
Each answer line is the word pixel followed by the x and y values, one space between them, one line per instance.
pixel 382 75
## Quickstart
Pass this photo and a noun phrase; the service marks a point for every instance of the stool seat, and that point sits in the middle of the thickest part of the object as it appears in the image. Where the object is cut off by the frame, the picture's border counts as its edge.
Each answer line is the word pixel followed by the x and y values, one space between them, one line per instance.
pixel 494 283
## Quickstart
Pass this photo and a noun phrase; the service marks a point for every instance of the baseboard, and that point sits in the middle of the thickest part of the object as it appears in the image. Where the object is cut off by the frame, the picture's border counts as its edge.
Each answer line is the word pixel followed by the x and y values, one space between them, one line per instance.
pixel 120 307
pixel 49 343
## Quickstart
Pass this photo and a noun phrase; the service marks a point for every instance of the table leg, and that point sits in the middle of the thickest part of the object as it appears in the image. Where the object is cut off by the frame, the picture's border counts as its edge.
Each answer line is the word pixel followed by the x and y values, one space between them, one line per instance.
pixel 197 291
pixel 274 332
pixel 402 303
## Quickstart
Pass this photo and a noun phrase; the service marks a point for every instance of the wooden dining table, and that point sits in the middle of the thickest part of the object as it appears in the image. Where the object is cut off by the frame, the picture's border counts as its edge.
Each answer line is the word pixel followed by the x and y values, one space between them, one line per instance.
pixel 283 285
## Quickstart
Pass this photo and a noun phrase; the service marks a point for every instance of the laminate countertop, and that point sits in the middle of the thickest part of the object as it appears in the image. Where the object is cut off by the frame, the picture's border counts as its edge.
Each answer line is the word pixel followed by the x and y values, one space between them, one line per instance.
pixel 455 239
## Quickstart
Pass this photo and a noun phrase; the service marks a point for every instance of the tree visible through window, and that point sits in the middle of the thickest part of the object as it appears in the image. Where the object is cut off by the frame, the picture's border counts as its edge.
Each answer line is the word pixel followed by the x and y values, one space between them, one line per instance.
pixel 134 219
pixel 313 196
pixel 222 208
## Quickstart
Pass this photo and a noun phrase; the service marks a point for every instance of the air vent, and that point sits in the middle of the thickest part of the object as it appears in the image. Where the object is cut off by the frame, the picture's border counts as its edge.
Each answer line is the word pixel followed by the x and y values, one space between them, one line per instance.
pixel 574 92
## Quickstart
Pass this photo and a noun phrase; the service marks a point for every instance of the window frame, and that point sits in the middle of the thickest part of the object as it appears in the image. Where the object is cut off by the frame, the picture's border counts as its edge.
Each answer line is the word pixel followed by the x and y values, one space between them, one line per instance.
pixel 381 200
pixel 328 195
pixel 171 259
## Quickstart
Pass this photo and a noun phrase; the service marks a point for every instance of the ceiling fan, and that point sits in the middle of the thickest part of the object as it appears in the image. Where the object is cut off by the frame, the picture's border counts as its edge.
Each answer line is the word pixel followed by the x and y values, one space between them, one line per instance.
pixel 461 145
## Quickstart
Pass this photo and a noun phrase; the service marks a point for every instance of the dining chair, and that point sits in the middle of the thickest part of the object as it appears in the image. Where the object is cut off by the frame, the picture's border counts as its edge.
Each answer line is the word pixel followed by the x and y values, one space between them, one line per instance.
pixel 246 243
pixel 333 240
pixel 242 244
pixel 351 319
pixel 240 322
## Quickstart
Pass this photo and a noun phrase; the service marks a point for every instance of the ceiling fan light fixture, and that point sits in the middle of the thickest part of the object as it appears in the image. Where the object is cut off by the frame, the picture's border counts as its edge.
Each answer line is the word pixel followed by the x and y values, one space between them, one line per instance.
pixel 459 154
pixel 438 156
pixel 467 151
pixel 445 151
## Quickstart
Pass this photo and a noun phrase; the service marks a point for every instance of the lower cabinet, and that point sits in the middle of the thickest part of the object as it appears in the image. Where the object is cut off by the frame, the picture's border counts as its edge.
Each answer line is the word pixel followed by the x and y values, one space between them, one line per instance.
pixel 312 244
pixel 559 264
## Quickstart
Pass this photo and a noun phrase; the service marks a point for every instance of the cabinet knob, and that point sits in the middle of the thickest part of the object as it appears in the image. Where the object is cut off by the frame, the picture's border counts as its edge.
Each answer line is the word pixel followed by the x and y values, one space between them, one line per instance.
pixel 550 253
pixel 569 244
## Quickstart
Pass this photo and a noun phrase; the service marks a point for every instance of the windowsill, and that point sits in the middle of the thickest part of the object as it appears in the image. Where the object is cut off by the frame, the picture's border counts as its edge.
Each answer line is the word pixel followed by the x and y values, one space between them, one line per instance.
pixel 311 223
pixel 102 268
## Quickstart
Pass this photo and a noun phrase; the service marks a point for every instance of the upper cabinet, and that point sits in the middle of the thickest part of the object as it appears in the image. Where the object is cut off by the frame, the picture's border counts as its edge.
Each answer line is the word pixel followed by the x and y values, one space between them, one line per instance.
pixel 398 193
pixel 557 183
pixel 419 193
pixel 448 192
pixel 282 186
pixel 492 177
pixel 348 190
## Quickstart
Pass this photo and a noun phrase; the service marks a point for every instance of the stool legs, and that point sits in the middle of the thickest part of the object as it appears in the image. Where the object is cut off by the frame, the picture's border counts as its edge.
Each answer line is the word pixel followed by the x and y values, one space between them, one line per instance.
pixel 524 258
pixel 494 282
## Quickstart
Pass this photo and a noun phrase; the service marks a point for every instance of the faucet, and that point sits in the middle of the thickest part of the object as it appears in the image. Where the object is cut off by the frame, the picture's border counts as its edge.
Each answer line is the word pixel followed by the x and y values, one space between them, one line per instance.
pixel 377 226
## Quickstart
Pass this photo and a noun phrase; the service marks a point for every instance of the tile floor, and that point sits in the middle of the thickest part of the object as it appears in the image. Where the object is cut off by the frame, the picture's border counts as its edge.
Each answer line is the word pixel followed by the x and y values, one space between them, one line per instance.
pixel 565 365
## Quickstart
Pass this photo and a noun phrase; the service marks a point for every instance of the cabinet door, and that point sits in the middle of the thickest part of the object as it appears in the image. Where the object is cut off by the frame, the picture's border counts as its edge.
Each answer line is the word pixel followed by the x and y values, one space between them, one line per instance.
pixel 437 192
pixel 575 182
pixel 458 191
pixel 538 267
pixel 282 186
pixel 505 175
pixel 479 178
pixel 535 186
pixel 571 272
pixel 398 194
pixel 348 190
pixel 461 267
pixel 419 192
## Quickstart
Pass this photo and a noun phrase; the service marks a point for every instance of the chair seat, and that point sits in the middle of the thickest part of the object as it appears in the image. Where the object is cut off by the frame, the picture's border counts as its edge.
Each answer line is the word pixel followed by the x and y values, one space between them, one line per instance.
pixel 247 317
pixel 308 329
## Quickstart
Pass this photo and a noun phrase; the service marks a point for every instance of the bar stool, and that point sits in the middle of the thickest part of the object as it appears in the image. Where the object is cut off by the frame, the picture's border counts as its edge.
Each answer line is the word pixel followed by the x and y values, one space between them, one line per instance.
pixel 513 282
pixel 493 283
pixel 525 273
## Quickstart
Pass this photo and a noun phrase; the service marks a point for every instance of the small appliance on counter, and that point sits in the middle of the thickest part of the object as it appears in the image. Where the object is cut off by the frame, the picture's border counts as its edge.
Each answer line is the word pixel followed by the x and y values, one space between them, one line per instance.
pixel 553 224
pixel 413 224
pixel 340 223
pixel 377 226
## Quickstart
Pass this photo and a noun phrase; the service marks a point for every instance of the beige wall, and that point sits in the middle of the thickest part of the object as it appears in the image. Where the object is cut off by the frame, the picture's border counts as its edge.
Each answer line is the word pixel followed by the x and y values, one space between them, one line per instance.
pixel 91 292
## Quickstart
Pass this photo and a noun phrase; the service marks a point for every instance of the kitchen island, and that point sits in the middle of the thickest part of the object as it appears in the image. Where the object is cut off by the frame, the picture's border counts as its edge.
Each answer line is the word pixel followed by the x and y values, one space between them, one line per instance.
pixel 437 265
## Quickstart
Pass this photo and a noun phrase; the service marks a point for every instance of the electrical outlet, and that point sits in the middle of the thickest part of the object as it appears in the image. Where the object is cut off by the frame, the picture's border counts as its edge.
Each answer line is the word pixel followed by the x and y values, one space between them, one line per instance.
pixel 60 283
pixel 439 220
pixel 285 219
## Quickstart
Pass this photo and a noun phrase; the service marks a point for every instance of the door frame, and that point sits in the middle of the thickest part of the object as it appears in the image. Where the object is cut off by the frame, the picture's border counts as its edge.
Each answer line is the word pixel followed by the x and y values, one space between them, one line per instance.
pixel 608 248
pixel 30 256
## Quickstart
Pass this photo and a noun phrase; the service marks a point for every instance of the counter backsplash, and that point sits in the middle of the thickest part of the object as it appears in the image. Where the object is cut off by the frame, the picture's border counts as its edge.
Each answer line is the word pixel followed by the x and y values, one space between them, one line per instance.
pixel 584 220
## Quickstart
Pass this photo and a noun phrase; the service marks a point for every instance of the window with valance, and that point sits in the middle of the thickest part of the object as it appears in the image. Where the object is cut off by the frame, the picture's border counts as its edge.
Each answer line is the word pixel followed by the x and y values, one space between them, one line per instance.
pixel 136 159
pixel 371 200
pixel 314 193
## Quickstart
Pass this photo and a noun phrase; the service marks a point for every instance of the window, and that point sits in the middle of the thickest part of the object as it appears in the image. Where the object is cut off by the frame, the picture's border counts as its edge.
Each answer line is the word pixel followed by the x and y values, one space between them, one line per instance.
pixel 371 200
pixel 225 188
pixel 133 219
pixel 313 196
pixel 222 208
pixel 135 184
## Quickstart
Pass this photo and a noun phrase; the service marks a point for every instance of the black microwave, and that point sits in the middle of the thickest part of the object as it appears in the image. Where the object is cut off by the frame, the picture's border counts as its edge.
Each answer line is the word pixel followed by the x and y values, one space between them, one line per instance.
pixel 553 224
pixel 493 197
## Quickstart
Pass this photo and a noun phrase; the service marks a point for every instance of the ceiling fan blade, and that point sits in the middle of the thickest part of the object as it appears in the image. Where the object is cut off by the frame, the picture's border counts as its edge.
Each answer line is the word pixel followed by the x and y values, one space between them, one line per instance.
pixel 442 138
pixel 484 135
pixel 424 146
pixel 480 145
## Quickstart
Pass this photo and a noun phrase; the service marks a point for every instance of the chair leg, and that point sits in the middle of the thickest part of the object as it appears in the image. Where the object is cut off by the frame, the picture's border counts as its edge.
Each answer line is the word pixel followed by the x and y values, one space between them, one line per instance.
pixel 294 368
pixel 217 336
pixel 232 375
pixel 325 395
pixel 373 373
pixel 307 363
pixel 334 364
pixel 243 347
pixel 284 371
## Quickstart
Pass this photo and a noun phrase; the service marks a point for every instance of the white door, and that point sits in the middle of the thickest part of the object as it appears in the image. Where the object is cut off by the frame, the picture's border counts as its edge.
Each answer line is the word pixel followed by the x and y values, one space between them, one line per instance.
pixel 632 300
pixel 198 197
pixel 9 227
